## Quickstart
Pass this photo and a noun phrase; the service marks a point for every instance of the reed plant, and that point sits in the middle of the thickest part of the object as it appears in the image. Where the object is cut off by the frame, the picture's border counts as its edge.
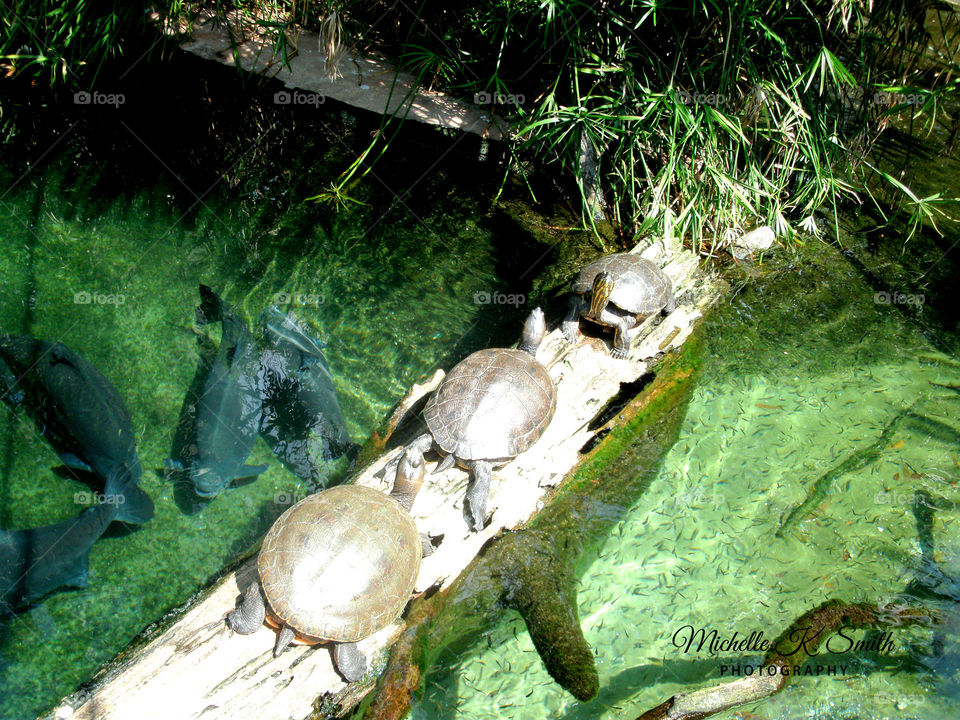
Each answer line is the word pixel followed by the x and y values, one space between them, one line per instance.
pixel 698 118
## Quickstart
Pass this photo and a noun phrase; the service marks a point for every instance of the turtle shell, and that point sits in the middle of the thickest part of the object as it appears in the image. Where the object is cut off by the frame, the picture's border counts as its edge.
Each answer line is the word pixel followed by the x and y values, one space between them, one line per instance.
pixel 493 405
pixel 341 564
pixel 639 286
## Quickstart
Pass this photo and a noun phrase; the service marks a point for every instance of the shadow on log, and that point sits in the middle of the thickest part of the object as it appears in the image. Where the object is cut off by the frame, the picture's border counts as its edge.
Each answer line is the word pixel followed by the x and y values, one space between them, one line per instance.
pixel 534 570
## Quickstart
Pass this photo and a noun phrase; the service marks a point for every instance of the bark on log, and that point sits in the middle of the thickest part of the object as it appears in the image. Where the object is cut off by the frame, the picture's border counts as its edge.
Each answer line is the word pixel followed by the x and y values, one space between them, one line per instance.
pixel 196 667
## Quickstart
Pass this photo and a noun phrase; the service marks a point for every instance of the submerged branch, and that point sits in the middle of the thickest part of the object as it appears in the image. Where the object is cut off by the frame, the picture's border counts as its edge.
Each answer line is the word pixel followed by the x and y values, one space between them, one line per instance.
pixel 801 639
pixel 856 461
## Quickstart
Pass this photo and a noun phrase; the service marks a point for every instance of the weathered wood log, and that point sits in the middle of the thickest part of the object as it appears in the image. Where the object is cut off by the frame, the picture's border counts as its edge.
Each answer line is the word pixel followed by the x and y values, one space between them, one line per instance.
pixel 533 570
pixel 197 667
pixel 791 650
pixel 364 82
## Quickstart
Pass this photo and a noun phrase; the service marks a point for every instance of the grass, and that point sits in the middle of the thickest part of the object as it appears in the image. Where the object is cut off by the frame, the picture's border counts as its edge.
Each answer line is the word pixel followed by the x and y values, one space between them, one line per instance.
pixel 700 118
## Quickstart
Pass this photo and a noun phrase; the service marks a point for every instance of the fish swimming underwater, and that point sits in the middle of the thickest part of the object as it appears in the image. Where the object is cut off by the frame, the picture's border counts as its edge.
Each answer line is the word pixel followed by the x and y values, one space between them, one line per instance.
pixel 72 404
pixel 302 420
pixel 75 408
pixel 228 410
pixel 36 561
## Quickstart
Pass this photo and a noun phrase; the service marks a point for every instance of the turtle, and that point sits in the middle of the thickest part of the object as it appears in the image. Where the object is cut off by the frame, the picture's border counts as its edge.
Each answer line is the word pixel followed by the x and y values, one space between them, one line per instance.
pixel 491 407
pixel 337 567
pixel 619 291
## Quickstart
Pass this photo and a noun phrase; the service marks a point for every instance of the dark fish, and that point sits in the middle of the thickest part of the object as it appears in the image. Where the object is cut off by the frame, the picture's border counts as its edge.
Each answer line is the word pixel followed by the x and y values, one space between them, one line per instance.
pixel 37 561
pixel 229 408
pixel 302 420
pixel 76 409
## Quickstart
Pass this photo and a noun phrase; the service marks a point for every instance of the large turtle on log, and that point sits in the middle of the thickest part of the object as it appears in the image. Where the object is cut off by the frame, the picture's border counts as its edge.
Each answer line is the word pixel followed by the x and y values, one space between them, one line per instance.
pixel 491 407
pixel 618 291
pixel 337 567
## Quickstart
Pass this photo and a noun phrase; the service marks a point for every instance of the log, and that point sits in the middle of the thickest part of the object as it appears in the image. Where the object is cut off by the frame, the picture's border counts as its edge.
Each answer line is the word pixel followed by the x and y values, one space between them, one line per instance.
pixel 194 666
pixel 533 571
pixel 363 82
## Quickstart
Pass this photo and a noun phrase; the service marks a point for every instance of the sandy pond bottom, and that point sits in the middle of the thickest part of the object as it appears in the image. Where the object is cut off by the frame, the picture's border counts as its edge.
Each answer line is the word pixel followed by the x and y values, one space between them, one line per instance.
pixel 803 370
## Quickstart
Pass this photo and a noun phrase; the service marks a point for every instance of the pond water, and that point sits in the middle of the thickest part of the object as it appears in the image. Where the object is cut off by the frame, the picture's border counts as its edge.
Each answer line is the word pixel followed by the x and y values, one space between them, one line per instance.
pixel 807 365
pixel 104 241
pixel 102 246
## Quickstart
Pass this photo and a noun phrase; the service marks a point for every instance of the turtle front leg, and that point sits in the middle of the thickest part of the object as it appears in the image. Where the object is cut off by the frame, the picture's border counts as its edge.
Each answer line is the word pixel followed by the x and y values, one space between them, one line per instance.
pixel 249 613
pixel 478 491
pixel 621 339
pixel 571 323
pixel 349 661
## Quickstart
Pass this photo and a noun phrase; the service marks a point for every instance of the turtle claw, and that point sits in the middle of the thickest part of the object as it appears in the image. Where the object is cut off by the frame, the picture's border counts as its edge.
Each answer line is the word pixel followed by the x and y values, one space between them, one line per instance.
pixel 620 353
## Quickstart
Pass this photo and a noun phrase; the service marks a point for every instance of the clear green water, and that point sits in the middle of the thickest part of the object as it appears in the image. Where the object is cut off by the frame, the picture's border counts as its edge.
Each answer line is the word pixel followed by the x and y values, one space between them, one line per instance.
pixel 101 215
pixel 803 369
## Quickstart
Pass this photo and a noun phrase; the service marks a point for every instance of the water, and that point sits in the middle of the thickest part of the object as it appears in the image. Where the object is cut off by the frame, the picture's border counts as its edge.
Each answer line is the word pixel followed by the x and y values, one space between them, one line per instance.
pixel 103 244
pixel 804 368
pixel 132 209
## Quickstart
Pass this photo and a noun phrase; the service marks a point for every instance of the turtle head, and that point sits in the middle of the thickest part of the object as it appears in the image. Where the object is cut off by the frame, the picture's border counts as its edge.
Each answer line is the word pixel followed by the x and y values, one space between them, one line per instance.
pixel 409 478
pixel 533 331
pixel 600 295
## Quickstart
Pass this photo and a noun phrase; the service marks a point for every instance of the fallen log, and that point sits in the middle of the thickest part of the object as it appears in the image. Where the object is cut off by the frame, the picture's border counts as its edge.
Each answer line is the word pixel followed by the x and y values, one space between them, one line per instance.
pixel 193 666
pixel 363 82
pixel 533 571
